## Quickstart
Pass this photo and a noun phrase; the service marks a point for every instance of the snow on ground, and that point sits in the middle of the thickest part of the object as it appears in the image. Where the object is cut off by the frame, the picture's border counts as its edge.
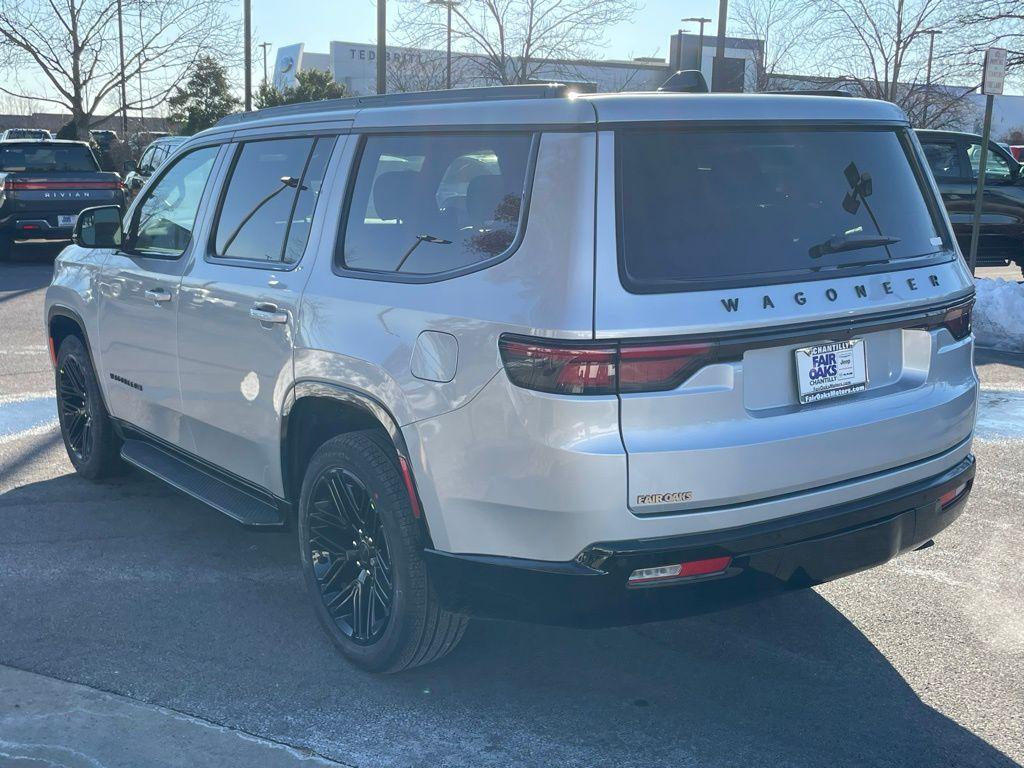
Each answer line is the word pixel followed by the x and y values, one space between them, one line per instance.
pixel 999 314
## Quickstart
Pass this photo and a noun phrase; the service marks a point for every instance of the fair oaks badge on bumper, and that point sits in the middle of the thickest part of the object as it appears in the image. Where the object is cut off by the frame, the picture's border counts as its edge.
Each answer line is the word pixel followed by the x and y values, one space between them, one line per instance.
pixel 829 370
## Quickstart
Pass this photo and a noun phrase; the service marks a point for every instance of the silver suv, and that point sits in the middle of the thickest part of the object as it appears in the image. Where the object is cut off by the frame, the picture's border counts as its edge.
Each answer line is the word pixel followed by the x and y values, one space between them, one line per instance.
pixel 520 353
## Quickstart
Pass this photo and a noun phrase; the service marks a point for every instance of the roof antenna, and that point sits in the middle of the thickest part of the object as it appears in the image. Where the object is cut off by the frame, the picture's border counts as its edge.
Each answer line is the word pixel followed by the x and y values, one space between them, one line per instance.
pixel 685 81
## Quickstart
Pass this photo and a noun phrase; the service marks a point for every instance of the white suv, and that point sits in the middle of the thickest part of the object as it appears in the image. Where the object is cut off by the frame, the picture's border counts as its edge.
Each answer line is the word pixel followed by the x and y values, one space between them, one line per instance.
pixel 520 353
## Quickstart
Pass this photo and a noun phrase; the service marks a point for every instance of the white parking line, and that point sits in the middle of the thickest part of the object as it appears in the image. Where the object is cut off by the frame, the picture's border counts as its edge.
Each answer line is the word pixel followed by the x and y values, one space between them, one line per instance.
pixel 26 415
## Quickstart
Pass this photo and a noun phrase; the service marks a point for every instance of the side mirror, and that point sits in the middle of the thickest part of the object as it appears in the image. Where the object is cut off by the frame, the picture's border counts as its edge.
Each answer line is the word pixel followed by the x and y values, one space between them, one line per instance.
pixel 129 166
pixel 98 227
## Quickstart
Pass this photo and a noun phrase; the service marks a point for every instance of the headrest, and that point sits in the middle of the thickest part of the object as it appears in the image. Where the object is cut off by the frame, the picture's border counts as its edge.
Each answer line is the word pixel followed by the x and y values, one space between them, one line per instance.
pixel 393 194
pixel 483 194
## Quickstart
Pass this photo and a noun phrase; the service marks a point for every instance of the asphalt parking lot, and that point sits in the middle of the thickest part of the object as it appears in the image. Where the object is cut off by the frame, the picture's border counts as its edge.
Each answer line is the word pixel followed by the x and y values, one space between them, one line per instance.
pixel 135 590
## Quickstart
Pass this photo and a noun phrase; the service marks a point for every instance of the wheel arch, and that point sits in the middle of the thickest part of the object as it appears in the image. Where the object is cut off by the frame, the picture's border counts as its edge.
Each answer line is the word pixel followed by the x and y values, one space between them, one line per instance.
pixel 316 411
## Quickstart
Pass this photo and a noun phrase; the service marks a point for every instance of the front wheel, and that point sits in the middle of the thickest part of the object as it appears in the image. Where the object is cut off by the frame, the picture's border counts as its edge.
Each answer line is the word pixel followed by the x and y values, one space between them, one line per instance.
pixel 361 559
pixel 89 437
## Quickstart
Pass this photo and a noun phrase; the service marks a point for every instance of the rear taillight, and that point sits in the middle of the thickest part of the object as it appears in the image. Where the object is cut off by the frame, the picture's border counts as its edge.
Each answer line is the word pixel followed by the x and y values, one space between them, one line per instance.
pixel 658 367
pixel 687 570
pixel 560 369
pixel 952 495
pixel 38 186
pixel 568 368
pixel 958 321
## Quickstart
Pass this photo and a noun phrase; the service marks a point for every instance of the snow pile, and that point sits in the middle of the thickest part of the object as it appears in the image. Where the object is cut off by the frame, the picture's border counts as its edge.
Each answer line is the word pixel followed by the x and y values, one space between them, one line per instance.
pixel 999 314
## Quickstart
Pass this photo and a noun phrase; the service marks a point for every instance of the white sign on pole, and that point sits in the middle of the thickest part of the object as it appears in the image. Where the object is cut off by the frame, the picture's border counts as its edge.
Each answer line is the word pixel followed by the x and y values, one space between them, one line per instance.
pixel 995 72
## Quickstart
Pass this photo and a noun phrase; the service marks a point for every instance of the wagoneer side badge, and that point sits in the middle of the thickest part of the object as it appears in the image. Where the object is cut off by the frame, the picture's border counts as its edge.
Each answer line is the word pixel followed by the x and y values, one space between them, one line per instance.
pixel 732 303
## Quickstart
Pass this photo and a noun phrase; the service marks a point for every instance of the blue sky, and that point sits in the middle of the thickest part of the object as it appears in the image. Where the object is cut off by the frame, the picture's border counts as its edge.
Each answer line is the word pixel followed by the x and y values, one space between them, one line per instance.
pixel 317 22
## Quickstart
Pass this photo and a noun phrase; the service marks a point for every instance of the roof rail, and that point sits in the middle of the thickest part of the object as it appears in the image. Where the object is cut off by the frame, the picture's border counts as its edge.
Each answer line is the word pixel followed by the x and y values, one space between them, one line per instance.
pixel 454 96
pixel 812 92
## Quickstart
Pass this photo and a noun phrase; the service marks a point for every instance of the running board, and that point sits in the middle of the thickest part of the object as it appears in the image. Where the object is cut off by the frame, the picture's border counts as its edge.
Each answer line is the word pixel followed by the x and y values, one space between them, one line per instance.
pixel 245 506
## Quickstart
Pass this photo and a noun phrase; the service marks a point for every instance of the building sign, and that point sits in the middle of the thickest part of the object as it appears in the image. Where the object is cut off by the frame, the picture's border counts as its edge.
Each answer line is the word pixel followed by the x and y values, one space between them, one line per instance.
pixel 995 72
pixel 287 65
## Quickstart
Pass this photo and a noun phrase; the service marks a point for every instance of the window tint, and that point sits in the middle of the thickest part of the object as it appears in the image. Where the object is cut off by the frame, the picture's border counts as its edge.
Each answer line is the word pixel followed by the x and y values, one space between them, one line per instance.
pixel 943 159
pixel 165 218
pixel 997 167
pixel 709 206
pixel 260 196
pixel 431 204
pixel 44 158
pixel 305 202
pixel 146 161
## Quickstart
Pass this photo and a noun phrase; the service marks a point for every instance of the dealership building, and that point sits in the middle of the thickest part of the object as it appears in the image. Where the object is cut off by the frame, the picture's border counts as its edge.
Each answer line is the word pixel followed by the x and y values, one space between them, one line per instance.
pixel 414 69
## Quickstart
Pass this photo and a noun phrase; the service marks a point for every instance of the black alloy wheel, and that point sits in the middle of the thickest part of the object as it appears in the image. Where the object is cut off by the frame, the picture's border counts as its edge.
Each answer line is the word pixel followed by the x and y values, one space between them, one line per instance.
pixel 350 556
pixel 361 548
pixel 75 410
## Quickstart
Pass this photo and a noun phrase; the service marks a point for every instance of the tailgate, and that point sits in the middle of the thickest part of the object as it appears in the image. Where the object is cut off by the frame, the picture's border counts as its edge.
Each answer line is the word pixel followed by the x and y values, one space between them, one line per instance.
pixel 736 430
pixel 56 193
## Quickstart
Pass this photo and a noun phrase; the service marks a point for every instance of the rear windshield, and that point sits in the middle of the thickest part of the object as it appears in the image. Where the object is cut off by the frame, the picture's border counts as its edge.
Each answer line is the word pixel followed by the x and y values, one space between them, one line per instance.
pixel 43 158
pixel 711 206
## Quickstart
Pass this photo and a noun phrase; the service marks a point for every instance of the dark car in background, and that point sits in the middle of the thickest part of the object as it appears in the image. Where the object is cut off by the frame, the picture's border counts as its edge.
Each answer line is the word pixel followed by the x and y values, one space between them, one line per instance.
pixel 156 153
pixel 44 185
pixel 954 159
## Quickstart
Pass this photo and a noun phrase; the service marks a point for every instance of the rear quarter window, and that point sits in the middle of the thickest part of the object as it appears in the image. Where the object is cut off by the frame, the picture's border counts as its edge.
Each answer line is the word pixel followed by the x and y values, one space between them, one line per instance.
pixel 704 207
pixel 441 204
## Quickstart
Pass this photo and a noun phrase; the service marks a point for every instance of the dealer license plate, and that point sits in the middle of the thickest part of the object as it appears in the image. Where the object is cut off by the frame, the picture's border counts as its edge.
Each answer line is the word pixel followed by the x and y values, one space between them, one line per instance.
pixel 66 221
pixel 830 369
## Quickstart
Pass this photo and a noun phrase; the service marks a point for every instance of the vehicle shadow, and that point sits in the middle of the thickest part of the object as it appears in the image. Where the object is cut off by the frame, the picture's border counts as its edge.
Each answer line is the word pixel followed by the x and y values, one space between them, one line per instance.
pixel 985 356
pixel 147 593
pixel 36 251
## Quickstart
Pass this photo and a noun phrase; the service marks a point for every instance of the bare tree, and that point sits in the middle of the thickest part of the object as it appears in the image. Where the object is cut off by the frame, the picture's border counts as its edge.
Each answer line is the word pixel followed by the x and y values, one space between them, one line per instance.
pixel 996 23
pixel 410 70
pixel 71 47
pixel 783 26
pixel 512 37
pixel 879 49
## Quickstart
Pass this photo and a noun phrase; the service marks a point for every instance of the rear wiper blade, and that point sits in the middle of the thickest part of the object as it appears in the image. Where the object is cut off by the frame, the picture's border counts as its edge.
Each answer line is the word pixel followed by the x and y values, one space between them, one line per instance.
pixel 842 243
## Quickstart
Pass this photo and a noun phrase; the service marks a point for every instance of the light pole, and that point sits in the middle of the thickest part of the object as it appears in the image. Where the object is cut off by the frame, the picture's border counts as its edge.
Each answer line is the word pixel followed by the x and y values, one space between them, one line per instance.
pixel 264 46
pixel 248 53
pixel 700 42
pixel 448 4
pixel 124 89
pixel 928 77
pixel 382 49
pixel 142 45
pixel 723 15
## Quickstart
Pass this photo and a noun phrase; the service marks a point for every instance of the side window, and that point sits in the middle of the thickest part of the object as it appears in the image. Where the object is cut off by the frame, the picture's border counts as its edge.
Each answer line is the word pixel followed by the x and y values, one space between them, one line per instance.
pixel 261 198
pixel 146 161
pixel 424 205
pixel 159 155
pixel 305 201
pixel 165 218
pixel 997 168
pixel 943 159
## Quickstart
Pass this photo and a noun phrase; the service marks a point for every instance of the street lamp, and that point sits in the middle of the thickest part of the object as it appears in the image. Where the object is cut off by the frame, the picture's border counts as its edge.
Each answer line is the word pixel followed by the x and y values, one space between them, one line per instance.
pixel 264 46
pixel 247 24
pixel 928 77
pixel 382 45
pixel 700 42
pixel 447 4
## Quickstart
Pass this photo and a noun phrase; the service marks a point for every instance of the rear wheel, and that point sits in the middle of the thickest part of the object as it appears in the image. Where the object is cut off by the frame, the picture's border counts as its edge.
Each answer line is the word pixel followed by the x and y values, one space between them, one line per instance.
pixel 89 437
pixel 362 562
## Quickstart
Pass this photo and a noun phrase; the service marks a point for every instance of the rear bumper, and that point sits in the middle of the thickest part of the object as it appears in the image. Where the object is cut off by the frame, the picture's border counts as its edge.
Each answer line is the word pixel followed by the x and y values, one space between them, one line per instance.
pixel 767 558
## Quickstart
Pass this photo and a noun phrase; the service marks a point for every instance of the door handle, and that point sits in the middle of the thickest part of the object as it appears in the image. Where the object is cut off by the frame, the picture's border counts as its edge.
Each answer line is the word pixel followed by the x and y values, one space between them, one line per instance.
pixel 159 295
pixel 268 313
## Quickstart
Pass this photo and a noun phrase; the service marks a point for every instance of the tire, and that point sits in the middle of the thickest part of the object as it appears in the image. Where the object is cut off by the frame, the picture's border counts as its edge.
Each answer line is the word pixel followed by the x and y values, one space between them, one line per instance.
pixel 89 437
pixel 353 491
